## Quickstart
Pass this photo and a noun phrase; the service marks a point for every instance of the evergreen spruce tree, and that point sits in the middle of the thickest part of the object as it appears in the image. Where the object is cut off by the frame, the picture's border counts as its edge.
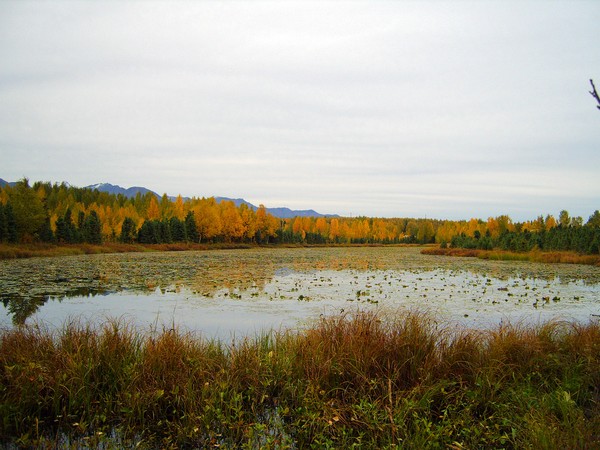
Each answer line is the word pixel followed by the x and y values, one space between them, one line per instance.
pixel 177 229
pixel 128 231
pixel 46 233
pixel 3 225
pixel 149 232
pixel 61 230
pixel 79 231
pixel 191 230
pixel 65 229
pixel 165 232
pixel 92 229
pixel 144 233
pixel 157 229
pixel 594 220
pixel 11 224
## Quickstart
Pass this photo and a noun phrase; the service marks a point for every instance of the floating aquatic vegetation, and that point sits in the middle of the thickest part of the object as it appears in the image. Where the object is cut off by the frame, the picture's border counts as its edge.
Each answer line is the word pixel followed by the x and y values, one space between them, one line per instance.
pixel 255 286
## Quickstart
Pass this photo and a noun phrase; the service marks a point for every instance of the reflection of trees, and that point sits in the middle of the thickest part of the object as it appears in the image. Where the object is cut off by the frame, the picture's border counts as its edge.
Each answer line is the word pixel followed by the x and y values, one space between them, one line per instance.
pixel 20 307
pixel 236 274
pixel 31 283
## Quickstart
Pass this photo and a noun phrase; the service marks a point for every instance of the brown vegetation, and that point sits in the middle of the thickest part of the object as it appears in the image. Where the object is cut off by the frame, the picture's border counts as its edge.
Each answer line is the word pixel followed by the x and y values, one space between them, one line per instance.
pixel 502 255
pixel 14 251
pixel 352 380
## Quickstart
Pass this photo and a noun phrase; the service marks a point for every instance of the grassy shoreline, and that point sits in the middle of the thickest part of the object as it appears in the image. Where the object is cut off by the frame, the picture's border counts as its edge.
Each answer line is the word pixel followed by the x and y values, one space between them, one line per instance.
pixel 503 255
pixel 15 251
pixel 356 381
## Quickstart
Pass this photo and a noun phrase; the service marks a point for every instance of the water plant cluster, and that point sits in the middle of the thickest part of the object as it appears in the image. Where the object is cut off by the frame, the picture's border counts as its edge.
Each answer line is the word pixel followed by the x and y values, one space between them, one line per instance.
pixel 290 283
pixel 357 380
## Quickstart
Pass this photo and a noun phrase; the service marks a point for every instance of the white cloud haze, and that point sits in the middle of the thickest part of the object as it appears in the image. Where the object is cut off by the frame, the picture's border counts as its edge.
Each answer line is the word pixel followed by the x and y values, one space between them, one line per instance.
pixel 394 109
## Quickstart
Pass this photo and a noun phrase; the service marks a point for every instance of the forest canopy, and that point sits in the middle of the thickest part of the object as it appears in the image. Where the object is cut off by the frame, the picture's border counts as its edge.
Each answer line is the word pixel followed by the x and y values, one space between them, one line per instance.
pixel 63 214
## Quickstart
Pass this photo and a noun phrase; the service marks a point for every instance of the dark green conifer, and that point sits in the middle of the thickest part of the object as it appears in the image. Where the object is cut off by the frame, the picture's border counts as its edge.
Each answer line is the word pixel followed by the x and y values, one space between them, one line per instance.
pixel 190 227
pixel 177 229
pixel 65 229
pixel 46 233
pixel 3 225
pixel 92 229
pixel 128 231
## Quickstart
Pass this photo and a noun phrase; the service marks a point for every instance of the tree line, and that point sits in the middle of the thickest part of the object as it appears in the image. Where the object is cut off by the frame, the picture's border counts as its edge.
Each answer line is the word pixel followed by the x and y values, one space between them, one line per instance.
pixel 59 213
pixel 543 234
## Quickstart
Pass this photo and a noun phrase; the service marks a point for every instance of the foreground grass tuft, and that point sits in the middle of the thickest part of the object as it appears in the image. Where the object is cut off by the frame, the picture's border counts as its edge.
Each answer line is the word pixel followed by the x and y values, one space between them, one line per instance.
pixel 360 380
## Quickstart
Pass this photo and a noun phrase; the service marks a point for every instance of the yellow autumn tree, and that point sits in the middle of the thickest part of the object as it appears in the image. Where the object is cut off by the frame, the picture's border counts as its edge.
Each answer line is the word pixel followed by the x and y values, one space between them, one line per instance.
pixel 345 232
pixel 3 196
pixel 232 225
pixel 425 232
pixel 248 217
pixel 321 227
pixel 266 224
pixel 380 231
pixel 153 211
pixel 493 228
pixel 472 226
pixel 550 222
pixel 334 229
pixel 123 212
pixel 208 219
pixel 446 232
pixel 412 228
pixel 179 208
pixel 298 227
pixel 165 207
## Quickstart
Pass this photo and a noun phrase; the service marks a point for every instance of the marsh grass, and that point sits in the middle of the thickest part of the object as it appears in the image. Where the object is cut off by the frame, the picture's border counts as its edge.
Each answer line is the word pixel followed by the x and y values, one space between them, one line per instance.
pixel 353 380
pixel 17 251
pixel 564 257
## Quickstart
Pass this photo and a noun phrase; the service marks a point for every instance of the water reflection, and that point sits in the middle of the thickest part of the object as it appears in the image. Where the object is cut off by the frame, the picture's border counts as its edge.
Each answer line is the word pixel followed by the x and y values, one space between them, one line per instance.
pixel 374 276
pixel 22 306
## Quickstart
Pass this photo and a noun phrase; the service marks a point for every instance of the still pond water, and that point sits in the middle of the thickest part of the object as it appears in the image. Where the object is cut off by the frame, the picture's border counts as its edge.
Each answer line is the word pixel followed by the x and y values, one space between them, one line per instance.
pixel 229 294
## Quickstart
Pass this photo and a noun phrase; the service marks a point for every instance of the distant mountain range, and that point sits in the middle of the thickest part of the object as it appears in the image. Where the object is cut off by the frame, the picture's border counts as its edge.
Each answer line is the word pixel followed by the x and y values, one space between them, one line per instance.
pixel 116 190
pixel 281 213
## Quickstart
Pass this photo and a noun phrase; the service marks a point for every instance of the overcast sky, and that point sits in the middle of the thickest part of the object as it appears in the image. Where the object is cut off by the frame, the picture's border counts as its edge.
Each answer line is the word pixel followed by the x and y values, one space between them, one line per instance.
pixel 392 109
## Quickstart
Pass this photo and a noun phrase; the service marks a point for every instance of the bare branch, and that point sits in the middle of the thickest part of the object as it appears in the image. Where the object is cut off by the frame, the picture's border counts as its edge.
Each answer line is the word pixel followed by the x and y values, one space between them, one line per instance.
pixel 595 93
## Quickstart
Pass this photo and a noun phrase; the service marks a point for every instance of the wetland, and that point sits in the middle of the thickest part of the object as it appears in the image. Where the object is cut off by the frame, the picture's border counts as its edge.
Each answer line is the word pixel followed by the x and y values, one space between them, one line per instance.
pixel 298 348
pixel 227 293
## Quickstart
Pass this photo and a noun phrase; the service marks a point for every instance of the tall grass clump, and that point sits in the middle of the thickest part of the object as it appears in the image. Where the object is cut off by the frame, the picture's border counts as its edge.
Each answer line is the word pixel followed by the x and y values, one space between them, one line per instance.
pixel 361 380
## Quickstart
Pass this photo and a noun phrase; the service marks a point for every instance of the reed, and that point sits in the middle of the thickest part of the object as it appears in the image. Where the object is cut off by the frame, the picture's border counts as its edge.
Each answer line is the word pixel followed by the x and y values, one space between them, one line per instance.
pixel 565 257
pixel 362 379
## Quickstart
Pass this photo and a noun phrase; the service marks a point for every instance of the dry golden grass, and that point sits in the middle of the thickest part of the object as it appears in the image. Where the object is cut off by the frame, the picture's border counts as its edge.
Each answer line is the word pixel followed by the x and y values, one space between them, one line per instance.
pixel 502 255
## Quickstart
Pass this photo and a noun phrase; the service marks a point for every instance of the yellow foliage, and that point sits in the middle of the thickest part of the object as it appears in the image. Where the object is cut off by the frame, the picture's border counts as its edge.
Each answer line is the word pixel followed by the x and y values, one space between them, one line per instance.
pixel 153 212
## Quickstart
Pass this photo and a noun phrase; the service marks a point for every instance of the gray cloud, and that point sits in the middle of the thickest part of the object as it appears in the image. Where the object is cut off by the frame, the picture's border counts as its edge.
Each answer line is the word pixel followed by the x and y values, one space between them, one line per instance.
pixel 444 109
